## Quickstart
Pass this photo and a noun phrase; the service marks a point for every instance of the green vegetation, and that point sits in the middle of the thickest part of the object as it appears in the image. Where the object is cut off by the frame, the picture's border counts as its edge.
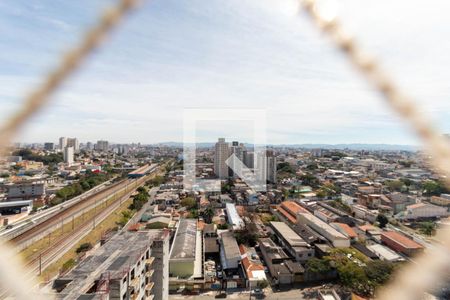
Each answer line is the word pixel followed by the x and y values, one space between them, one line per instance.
pixel 126 216
pixel 222 226
pixel 226 187
pixel 86 183
pixel 394 185
pixel 246 237
pixel 434 188
pixel 285 169
pixel 27 154
pixel 355 271
pixel 382 220
pixel 338 204
pixel 140 198
pixel 267 218
pixel 328 190
pixel 189 203
pixel 155 181
pixel 309 179
pixel 318 266
pixel 83 248
pixel 68 265
pixel 427 228
pixel 208 214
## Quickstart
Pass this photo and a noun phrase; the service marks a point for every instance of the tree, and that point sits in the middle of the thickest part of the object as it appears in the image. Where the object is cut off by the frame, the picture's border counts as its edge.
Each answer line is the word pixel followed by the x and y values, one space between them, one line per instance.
pixel 427 228
pixel 379 271
pixel 394 185
pixel 382 220
pixel 433 188
pixel 246 237
pixel 83 248
pixel 189 203
pixel 208 214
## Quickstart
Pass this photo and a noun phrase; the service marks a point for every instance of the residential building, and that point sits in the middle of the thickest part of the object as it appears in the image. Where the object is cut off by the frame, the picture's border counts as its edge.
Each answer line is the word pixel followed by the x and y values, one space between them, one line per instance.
pixel 230 255
pixel 73 142
pixel 271 168
pixel 62 143
pixel 25 190
pixel 222 152
pixel 233 217
pixel 68 155
pixel 252 266
pixel 102 146
pixel 424 210
pixel 126 267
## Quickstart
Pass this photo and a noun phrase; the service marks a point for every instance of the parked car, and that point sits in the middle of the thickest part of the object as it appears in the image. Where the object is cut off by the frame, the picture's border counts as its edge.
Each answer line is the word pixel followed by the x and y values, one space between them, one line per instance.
pixel 221 295
pixel 257 292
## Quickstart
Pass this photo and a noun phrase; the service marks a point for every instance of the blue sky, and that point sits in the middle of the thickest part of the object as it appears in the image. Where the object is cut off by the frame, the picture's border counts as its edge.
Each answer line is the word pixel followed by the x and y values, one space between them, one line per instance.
pixel 171 55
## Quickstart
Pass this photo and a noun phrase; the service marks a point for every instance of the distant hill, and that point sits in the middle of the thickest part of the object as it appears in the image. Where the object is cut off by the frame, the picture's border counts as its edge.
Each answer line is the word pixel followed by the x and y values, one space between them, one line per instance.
pixel 355 146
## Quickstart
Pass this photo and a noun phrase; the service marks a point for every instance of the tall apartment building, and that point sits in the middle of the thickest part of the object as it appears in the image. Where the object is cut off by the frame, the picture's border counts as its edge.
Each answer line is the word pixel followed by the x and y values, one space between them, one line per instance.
pixel 62 143
pixel 132 265
pixel 238 150
pixel 249 157
pixel 222 152
pixel 271 169
pixel 68 155
pixel 73 142
pixel 102 146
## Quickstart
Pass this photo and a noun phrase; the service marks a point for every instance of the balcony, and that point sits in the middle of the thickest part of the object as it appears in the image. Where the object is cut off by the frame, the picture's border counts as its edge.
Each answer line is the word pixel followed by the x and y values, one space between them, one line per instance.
pixel 149 274
pixel 149 262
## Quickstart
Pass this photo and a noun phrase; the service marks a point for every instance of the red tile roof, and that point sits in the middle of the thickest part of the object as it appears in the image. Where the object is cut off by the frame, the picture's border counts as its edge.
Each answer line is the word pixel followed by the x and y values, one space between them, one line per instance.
pixel 293 208
pixel 286 214
pixel 348 230
pixel 401 239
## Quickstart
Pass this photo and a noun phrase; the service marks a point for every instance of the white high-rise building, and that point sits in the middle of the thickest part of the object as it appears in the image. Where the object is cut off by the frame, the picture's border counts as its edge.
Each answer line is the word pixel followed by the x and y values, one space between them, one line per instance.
pixel 102 146
pixel 62 143
pixel 222 152
pixel 68 155
pixel 73 142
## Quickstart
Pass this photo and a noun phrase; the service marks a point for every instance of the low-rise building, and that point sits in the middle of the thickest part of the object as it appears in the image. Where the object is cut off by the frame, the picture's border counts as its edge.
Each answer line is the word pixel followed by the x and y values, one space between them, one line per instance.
pixel 292 242
pixel 424 211
pixel 401 243
pixel 331 234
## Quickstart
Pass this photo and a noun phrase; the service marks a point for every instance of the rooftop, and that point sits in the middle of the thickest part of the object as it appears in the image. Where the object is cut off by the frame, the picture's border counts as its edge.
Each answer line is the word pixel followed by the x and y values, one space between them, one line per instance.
pixel 401 239
pixel 183 247
pixel 292 238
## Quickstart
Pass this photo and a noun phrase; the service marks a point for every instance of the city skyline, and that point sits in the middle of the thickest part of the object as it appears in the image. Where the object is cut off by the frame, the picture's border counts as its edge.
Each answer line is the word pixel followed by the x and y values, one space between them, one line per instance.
pixel 139 82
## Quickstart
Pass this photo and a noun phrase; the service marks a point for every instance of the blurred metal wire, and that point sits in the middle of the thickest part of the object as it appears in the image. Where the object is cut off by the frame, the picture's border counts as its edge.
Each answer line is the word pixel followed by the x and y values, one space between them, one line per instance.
pixel 411 282
pixel 431 268
pixel 13 277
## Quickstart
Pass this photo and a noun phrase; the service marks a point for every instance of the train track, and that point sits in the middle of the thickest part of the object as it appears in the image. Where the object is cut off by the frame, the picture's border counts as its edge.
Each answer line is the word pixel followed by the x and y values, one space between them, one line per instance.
pixel 66 215
pixel 41 261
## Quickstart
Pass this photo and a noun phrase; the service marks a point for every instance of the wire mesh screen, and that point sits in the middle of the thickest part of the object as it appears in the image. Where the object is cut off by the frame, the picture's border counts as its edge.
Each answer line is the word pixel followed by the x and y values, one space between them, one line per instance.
pixel 412 281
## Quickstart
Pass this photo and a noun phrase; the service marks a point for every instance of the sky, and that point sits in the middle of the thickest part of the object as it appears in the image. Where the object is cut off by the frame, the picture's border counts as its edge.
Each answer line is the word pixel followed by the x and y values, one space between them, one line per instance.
pixel 169 56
